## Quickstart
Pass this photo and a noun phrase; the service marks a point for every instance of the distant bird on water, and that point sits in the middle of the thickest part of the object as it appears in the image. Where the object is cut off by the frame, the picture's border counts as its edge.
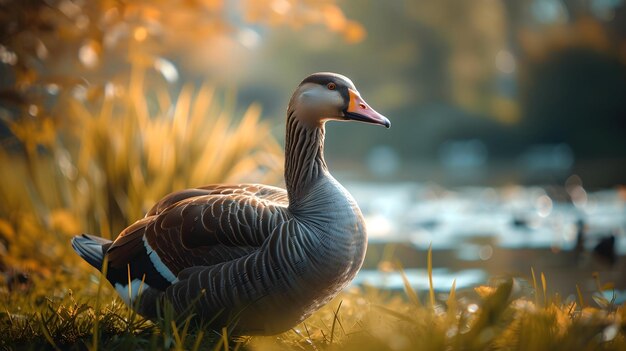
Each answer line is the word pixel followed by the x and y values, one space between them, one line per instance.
pixel 258 258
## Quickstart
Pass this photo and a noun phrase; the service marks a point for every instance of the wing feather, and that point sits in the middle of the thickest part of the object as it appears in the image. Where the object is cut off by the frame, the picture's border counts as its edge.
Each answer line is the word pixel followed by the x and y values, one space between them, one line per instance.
pixel 265 192
pixel 205 229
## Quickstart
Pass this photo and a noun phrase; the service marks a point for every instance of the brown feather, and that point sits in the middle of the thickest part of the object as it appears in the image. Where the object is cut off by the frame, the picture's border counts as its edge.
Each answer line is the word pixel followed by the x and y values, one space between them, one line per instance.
pixel 202 226
pixel 128 243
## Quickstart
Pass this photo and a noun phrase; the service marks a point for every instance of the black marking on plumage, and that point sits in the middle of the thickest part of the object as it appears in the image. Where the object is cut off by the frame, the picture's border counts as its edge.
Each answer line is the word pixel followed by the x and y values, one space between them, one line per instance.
pixel 91 248
pixel 140 266
pixel 341 83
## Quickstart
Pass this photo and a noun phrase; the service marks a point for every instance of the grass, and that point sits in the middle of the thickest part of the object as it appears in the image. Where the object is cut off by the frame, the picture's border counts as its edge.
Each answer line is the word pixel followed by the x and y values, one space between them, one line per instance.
pixel 102 165
pixel 493 317
pixel 97 167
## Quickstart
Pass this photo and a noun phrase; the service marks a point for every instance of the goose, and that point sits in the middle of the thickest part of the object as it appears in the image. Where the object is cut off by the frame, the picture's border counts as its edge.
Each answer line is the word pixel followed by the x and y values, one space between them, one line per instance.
pixel 257 258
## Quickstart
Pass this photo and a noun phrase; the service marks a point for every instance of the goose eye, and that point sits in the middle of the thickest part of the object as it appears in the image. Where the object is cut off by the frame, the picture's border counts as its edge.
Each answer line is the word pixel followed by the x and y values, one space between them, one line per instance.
pixel 331 86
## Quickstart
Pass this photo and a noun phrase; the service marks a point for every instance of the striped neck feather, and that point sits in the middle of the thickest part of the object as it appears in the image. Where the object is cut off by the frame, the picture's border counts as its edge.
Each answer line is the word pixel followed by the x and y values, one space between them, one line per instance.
pixel 304 158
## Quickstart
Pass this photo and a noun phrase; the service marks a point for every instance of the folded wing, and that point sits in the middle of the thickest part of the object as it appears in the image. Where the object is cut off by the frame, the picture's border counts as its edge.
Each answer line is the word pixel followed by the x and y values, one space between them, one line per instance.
pixel 202 227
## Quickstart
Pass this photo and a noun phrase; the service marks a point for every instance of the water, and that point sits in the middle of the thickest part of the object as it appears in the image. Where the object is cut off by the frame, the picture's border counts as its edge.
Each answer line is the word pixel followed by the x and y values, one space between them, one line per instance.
pixel 482 232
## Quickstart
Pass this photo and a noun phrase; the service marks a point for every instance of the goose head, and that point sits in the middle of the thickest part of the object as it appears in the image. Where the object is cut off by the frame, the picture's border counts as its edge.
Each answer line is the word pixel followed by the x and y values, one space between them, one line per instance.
pixel 330 96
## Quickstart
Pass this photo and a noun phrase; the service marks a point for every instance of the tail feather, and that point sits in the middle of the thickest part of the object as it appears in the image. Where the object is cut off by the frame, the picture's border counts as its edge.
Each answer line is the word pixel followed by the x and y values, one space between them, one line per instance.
pixel 91 248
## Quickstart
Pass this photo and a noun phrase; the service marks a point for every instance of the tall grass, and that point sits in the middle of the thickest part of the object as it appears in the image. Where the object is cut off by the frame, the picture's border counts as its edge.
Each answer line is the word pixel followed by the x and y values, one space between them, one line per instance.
pixel 99 166
pixel 368 319
pixel 494 317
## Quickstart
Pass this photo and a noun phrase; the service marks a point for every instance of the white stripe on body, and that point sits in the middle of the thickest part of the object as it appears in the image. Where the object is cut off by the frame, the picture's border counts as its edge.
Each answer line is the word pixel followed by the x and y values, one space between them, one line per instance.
pixel 158 264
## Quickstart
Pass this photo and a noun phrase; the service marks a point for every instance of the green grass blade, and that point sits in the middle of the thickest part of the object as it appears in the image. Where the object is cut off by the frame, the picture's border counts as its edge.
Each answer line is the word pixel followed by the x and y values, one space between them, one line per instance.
pixel 225 338
pixel 544 286
pixel 96 323
pixel 490 315
pixel 431 287
pixel 532 272
pixel 46 332
pixel 452 303
pixel 408 289
pixel 218 345
pixel 130 283
pixel 335 318
pixel 198 342
pixel 580 297
pixel 185 331
pixel 238 345
pixel 178 343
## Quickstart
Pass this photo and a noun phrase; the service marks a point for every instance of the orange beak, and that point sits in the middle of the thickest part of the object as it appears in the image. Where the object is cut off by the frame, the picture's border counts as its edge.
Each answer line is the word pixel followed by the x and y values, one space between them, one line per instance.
pixel 359 110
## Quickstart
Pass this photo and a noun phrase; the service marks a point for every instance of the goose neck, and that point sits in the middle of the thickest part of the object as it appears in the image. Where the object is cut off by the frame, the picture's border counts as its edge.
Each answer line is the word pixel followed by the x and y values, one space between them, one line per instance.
pixel 304 158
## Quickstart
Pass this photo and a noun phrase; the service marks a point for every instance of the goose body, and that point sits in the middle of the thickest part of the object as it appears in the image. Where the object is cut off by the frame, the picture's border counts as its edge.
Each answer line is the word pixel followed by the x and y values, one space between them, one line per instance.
pixel 255 257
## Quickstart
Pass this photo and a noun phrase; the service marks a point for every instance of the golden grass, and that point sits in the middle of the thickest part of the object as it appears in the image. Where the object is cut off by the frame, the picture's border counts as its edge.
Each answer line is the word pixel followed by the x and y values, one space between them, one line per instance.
pixel 98 168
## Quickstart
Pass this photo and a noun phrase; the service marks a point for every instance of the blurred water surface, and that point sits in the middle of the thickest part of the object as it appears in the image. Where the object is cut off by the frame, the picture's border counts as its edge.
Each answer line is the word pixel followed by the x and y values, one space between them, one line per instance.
pixel 481 232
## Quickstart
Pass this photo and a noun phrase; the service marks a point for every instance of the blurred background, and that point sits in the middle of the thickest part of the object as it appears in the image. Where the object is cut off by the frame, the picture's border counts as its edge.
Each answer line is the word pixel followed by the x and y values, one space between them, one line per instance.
pixel 507 149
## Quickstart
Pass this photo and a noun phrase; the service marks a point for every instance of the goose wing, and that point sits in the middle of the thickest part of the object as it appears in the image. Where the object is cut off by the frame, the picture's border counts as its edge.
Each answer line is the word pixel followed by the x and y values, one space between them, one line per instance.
pixel 260 191
pixel 203 226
